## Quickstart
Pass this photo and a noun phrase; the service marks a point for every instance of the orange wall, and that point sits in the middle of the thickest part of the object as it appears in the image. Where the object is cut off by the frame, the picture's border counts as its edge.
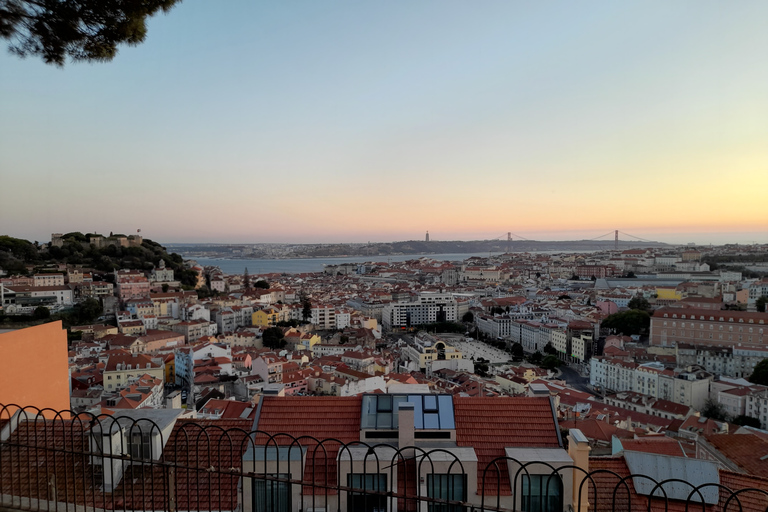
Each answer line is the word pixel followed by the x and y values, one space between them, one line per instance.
pixel 34 368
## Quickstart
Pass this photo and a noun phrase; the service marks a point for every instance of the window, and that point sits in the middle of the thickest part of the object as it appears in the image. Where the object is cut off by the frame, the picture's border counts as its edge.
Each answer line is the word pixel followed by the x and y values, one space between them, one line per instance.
pixel 141 445
pixel 542 493
pixel 446 487
pixel 270 495
pixel 367 502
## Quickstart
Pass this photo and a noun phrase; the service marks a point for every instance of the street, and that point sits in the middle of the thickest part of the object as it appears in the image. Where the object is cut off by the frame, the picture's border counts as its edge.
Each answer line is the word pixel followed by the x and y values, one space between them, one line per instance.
pixel 574 380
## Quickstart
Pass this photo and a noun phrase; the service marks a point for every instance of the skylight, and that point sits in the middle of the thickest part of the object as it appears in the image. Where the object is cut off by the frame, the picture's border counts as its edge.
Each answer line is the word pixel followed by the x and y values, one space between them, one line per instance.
pixel 430 412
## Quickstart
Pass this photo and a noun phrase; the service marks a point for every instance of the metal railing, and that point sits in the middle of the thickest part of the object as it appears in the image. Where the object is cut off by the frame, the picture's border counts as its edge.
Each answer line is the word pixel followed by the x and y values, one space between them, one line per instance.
pixel 60 461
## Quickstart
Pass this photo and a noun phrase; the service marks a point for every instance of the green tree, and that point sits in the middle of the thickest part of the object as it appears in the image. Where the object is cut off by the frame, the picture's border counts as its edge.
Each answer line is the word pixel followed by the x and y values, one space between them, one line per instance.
pixel 468 317
pixel 272 337
pixel 306 309
pixel 535 358
pixel 551 362
pixel 41 313
pixel 760 303
pixel 549 349
pixel 760 373
pixel 261 283
pixel 518 353
pixel 88 311
pixel 640 303
pixel 748 421
pixel 246 280
pixel 714 411
pixel 82 30
pixel 629 322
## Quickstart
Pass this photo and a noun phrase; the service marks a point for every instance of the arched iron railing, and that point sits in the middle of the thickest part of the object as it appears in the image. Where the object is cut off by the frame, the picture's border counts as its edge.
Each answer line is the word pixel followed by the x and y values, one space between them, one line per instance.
pixel 67 462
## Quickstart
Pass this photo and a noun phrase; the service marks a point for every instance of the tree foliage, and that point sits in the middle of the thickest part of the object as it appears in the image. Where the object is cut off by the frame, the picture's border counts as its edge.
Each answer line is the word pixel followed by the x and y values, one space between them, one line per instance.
pixel 264 285
pixel 88 311
pixel 745 420
pixel 468 317
pixel 518 353
pixel 82 30
pixel 714 411
pixel 451 327
pixel 549 349
pixel 760 373
pixel 640 303
pixel 551 362
pixel 760 303
pixel 41 313
pixel 629 322
pixel 273 338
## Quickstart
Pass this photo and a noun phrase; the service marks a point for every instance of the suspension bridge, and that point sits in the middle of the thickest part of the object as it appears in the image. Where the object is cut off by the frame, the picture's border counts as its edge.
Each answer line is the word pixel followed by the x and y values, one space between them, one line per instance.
pixel 615 233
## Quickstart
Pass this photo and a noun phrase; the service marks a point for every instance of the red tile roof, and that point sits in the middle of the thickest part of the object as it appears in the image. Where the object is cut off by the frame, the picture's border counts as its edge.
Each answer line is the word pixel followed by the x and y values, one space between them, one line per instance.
pixel 606 483
pixel 313 417
pixel 492 424
pixel 746 451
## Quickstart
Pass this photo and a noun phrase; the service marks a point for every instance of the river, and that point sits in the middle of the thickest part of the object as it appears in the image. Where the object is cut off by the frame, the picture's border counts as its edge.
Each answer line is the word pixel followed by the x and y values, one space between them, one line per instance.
pixel 302 265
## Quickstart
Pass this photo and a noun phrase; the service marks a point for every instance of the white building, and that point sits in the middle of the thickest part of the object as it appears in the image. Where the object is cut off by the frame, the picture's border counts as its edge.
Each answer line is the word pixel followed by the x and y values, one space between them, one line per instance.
pixel 429 308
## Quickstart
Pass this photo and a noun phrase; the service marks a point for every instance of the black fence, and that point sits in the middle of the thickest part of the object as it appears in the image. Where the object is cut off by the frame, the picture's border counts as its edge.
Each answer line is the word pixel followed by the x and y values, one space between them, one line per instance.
pixel 61 461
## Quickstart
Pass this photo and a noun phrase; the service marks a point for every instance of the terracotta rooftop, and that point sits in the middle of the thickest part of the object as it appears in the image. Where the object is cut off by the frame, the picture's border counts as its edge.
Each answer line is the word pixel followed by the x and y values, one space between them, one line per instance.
pixel 612 469
pixel 492 424
pixel 309 418
pixel 749 452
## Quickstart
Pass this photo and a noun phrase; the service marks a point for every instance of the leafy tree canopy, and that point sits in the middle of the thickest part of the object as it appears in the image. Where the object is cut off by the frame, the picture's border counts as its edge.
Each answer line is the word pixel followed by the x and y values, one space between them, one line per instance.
pixel 273 338
pixel 264 285
pixel 640 303
pixel 468 317
pixel 748 421
pixel 517 352
pixel 760 373
pixel 551 362
pixel 760 303
pixel 82 30
pixel 629 322
pixel 714 411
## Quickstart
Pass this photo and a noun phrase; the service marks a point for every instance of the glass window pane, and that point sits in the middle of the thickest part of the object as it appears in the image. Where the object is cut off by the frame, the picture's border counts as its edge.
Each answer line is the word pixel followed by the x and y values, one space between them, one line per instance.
pixel 446 412
pixel 431 421
pixel 384 420
pixel 385 403
pixel 430 403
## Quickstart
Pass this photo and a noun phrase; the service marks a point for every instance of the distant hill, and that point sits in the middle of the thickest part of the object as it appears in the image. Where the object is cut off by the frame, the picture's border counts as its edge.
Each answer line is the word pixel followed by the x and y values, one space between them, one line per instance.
pixel 267 251
pixel 18 255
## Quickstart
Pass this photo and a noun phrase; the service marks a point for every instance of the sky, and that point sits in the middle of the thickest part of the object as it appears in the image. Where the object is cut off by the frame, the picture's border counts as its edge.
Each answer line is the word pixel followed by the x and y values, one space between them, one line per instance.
pixel 306 121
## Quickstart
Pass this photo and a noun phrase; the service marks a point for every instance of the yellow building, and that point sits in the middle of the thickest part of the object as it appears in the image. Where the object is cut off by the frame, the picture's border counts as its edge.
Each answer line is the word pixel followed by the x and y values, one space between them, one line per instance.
pixel 668 295
pixel 426 348
pixel 266 317
pixel 308 341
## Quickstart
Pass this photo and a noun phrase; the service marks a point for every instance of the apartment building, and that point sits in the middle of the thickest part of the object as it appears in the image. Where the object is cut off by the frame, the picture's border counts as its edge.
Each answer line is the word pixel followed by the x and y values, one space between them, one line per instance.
pixel 689 388
pixel 428 308
pixel 670 325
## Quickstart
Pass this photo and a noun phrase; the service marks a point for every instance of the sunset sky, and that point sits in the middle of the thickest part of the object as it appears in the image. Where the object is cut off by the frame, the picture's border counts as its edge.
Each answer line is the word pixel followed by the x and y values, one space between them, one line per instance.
pixel 348 121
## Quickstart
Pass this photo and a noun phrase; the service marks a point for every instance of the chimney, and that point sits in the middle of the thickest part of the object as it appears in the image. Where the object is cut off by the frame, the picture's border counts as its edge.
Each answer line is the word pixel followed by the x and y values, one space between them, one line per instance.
pixel 405 435
pixel 578 450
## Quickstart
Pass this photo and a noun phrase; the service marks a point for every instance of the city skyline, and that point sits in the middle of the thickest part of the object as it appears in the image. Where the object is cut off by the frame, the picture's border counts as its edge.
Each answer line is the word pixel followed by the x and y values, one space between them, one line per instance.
pixel 339 122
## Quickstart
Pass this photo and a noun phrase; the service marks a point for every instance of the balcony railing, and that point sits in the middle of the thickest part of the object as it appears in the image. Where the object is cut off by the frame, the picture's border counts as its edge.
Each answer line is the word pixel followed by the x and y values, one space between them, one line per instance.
pixel 60 461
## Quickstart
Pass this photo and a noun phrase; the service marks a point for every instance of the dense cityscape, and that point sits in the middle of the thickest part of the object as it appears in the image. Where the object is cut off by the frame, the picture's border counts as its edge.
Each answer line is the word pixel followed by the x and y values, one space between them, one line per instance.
pixel 648 350
pixel 423 256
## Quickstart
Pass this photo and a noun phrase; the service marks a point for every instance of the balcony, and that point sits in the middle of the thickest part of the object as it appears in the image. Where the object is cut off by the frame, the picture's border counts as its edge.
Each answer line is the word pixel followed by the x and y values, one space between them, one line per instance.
pixel 79 463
